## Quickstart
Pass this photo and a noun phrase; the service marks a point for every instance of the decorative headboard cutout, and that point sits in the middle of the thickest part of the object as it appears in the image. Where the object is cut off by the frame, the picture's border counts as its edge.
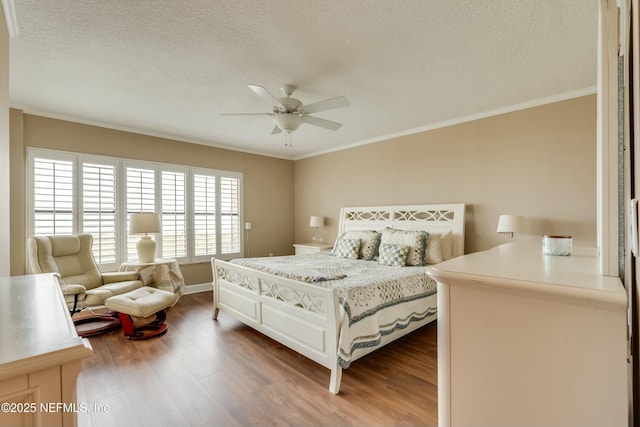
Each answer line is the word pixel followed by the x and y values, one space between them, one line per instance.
pixel 439 218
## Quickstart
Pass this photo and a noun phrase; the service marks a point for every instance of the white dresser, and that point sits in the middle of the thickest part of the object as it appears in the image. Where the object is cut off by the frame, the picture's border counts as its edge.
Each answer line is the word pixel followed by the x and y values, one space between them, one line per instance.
pixel 40 354
pixel 526 339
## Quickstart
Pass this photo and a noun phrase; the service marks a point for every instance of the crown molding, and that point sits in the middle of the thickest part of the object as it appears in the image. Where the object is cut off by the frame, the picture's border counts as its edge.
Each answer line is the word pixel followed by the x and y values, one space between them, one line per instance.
pixel 9 9
pixel 26 110
pixel 483 115
pixel 496 112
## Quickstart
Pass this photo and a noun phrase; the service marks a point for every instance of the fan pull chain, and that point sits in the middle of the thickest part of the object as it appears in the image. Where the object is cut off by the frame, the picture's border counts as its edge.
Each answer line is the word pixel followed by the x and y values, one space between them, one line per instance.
pixel 287 139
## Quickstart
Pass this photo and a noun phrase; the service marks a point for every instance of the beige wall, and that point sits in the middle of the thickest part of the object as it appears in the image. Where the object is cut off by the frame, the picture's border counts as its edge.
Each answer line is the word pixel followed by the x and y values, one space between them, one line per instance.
pixel 4 146
pixel 267 182
pixel 539 162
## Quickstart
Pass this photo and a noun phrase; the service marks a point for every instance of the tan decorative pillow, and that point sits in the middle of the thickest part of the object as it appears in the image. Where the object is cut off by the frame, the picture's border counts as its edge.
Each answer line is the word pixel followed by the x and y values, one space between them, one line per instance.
pixel 434 249
pixel 447 245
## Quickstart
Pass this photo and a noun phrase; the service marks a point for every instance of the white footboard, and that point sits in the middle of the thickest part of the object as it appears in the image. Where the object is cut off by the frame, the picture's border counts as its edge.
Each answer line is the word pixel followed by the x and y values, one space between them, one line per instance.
pixel 307 318
pixel 300 316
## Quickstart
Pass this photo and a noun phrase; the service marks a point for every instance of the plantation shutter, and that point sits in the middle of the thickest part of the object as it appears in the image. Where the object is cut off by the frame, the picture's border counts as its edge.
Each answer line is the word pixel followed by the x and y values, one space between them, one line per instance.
pixel 204 210
pixel 99 210
pixel 200 209
pixel 174 215
pixel 229 215
pixel 141 197
pixel 53 198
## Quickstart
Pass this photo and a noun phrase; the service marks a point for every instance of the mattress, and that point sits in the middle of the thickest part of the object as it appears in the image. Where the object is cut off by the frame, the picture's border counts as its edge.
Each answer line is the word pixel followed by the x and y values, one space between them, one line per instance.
pixel 376 300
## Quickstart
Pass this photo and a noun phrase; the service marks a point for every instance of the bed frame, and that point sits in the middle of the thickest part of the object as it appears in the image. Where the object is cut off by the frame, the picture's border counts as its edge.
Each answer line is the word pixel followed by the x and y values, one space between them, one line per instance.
pixel 311 325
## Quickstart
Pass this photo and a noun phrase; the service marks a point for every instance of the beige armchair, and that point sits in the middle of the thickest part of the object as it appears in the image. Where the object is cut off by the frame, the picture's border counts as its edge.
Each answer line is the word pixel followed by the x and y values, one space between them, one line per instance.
pixel 83 285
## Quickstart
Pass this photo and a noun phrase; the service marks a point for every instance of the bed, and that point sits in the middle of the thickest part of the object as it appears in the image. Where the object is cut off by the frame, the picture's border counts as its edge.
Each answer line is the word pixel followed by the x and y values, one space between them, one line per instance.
pixel 335 309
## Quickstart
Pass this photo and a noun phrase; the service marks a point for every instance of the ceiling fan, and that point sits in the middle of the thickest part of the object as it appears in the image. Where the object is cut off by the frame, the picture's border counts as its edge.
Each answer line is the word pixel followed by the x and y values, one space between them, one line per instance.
pixel 289 113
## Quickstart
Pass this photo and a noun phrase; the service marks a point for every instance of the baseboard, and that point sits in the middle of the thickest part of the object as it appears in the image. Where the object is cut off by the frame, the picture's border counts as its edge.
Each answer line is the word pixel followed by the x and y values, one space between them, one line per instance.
pixel 200 287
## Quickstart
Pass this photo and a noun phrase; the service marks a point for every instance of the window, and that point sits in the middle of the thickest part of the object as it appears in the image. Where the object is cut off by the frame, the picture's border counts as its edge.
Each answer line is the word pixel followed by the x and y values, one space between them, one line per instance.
pixel 229 215
pixel 204 214
pixel 141 197
pixel 74 193
pixel 99 209
pixel 52 196
pixel 174 215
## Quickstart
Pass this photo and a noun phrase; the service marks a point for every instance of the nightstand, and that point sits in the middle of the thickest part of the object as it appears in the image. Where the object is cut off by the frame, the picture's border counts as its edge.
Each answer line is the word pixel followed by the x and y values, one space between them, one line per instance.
pixel 312 248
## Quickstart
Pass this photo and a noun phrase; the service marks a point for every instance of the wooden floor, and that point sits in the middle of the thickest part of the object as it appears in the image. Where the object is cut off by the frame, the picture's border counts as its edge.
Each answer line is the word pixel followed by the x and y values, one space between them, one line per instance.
pixel 222 373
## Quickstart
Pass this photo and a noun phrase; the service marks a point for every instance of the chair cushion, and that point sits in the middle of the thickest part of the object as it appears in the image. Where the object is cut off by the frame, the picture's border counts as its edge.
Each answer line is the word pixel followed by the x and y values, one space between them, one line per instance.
pixel 142 302
pixel 88 279
pixel 41 259
pixel 64 245
pixel 70 256
pixel 97 296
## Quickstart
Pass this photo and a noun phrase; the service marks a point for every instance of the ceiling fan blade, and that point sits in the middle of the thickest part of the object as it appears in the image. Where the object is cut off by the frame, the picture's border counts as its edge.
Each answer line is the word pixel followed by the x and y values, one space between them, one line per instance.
pixel 327 104
pixel 276 130
pixel 323 123
pixel 246 114
pixel 266 95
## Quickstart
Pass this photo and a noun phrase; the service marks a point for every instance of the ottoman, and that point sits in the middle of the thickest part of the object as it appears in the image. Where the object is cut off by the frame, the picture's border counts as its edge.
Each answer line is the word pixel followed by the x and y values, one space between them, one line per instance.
pixel 142 302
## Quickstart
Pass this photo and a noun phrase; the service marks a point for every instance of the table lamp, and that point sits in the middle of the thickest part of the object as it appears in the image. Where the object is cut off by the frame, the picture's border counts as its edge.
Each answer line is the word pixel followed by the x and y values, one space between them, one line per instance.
pixel 316 222
pixel 510 224
pixel 145 223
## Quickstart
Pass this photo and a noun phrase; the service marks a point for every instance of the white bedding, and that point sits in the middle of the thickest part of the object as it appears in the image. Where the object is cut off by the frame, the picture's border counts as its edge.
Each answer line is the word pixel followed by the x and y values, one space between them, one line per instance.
pixel 376 299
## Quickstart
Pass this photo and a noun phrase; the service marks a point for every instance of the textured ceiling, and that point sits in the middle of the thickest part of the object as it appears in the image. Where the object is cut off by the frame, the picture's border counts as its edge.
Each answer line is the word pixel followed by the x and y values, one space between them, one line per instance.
pixel 169 68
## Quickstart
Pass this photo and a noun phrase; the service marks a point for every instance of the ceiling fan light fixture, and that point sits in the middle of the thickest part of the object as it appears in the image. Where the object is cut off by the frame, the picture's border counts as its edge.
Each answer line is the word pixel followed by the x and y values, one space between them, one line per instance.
pixel 287 122
pixel 289 113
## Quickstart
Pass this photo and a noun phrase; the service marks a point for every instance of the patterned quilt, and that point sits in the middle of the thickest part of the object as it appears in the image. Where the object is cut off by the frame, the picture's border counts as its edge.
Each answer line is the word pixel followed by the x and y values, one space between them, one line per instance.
pixel 376 299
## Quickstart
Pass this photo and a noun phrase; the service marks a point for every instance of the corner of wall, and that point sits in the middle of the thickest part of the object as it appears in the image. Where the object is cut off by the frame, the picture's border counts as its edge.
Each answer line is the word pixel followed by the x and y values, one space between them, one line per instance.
pixel 5 186
pixel 17 200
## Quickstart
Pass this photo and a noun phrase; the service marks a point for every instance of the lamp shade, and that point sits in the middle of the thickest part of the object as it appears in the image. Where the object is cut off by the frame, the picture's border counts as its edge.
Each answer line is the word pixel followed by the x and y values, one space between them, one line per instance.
pixel 287 122
pixel 510 224
pixel 316 221
pixel 143 223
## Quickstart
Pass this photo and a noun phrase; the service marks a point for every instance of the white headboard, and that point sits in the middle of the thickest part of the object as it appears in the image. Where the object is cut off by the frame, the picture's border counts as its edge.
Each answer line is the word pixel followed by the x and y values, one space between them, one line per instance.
pixel 430 218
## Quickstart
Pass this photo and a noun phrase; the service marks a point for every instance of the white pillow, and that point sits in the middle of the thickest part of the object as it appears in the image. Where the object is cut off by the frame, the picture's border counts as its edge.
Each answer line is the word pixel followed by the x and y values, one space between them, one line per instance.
pixel 447 245
pixel 434 249
pixel 413 239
